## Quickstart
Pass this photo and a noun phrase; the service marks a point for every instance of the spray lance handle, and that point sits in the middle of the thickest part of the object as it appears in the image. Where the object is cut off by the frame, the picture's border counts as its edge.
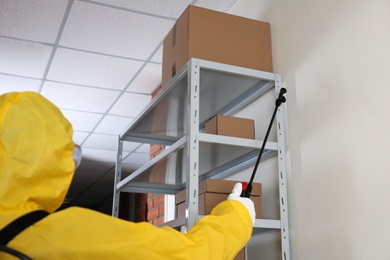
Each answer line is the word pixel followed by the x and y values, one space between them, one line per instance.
pixel 247 186
pixel 246 189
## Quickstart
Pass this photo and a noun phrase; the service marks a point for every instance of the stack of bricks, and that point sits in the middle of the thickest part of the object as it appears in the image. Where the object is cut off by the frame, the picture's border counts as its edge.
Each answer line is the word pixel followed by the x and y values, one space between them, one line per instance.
pixel 155 202
pixel 156 208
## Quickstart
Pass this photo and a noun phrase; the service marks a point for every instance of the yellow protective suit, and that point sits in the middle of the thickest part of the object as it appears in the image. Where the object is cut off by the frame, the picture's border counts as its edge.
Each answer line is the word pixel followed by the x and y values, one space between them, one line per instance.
pixel 36 169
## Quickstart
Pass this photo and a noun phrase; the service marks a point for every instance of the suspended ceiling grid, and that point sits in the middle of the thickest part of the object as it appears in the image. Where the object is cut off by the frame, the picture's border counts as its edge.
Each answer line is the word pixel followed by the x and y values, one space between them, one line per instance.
pixel 99 62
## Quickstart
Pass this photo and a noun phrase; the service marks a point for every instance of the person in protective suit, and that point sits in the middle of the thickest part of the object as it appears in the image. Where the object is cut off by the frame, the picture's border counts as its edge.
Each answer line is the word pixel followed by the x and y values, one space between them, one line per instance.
pixel 36 169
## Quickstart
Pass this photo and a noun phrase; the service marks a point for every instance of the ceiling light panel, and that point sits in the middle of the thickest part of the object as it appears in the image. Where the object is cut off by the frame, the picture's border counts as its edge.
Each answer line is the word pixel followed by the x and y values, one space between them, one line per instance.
pixel 114 125
pixel 130 104
pixel 90 69
pixel 82 121
pixel 172 8
pixel 16 84
pixel 37 20
pixel 113 31
pixel 88 99
pixel 148 80
pixel 23 58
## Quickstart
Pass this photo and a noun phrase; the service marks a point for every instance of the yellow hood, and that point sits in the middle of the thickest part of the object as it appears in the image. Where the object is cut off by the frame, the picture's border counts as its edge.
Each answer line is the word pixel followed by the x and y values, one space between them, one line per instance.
pixel 36 165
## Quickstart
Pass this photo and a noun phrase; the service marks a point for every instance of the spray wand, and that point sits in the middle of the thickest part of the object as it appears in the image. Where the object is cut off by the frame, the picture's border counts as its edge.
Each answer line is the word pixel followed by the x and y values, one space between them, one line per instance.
pixel 247 187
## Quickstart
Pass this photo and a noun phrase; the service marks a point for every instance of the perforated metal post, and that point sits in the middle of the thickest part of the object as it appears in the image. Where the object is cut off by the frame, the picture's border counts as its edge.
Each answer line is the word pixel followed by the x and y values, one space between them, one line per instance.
pixel 117 179
pixel 192 146
pixel 280 117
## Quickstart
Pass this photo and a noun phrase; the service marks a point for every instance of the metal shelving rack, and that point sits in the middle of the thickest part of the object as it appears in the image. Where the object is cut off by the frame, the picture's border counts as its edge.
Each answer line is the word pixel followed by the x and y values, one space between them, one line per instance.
pixel 176 118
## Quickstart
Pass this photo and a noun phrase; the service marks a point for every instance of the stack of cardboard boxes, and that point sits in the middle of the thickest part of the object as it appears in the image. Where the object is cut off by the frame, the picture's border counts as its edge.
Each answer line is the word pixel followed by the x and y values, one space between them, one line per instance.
pixel 211 193
pixel 215 36
pixel 220 37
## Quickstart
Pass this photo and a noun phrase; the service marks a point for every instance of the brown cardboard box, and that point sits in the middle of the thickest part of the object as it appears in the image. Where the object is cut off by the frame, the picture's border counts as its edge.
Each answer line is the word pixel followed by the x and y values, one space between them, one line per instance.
pixel 212 192
pixel 218 186
pixel 216 36
pixel 207 201
pixel 240 255
pixel 231 126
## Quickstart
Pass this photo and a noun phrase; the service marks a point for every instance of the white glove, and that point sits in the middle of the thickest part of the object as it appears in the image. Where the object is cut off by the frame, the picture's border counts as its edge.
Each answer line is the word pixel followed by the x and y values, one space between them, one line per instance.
pixel 248 203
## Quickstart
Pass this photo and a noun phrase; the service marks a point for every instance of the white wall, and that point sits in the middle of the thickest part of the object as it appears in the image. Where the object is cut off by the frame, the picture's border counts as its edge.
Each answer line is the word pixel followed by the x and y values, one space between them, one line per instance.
pixel 334 56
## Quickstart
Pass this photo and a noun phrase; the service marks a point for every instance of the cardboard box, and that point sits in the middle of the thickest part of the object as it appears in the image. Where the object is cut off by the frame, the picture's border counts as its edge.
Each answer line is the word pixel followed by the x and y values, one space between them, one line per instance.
pixel 231 126
pixel 241 255
pixel 212 192
pixel 210 35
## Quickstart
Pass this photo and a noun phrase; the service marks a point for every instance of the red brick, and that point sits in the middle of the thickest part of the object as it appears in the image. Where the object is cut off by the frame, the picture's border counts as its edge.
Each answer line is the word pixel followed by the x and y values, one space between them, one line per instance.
pixel 158 221
pixel 153 213
pixel 150 204
pixel 154 148
pixel 161 210
pixel 159 200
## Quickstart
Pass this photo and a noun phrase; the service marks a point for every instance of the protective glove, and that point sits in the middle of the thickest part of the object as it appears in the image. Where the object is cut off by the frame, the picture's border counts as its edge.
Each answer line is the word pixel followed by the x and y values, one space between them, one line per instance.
pixel 248 203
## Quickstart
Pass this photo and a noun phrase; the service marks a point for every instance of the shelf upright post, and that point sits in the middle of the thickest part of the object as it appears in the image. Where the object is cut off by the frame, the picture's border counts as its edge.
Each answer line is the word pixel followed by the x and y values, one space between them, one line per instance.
pixel 117 179
pixel 192 178
pixel 282 162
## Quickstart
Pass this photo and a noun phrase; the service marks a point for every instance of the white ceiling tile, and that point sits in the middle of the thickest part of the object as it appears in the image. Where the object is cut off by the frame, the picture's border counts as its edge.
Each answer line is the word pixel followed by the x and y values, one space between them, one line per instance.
pixel 101 141
pixel 37 20
pixel 148 80
pixel 73 97
pixel 217 5
pixel 16 84
pixel 130 104
pixel 157 56
pixel 113 31
pixel 90 69
pixel 82 121
pixel 131 146
pixel 100 155
pixel 137 158
pixel 108 142
pixel 114 125
pixel 157 7
pixel 144 148
pixel 79 137
pixel 23 58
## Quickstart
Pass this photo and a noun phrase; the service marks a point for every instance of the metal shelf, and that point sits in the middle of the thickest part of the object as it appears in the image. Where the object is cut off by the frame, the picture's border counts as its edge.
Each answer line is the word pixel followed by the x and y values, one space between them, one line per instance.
pixel 224 89
pixel 260 226
pixel 223 156
pixel 176 118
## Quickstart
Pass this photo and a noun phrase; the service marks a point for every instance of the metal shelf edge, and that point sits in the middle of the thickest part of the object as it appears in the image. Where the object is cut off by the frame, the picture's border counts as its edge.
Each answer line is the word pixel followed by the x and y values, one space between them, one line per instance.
pixel 260 224
pixel 152 162
pixel 244 142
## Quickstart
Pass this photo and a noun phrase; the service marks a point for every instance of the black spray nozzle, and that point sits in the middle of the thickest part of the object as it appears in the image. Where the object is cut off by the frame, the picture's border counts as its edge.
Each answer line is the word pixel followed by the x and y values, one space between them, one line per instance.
pixel 281 99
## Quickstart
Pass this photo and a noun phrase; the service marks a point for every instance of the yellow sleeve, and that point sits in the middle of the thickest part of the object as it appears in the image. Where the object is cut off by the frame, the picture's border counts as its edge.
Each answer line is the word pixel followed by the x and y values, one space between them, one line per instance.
pixel 77 233
pixel 224 232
